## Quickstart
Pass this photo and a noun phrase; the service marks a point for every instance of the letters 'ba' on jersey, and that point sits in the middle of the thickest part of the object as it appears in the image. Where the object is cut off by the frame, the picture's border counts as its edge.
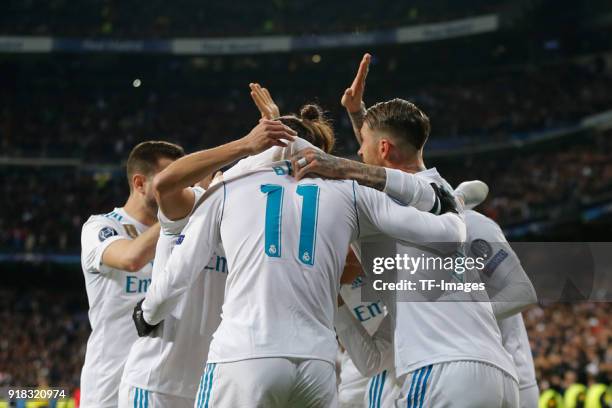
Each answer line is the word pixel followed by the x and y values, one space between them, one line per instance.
pixel 112 294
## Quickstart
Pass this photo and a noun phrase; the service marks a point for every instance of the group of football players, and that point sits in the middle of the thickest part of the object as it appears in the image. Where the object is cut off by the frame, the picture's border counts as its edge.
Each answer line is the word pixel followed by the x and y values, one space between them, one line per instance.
pixel 245 288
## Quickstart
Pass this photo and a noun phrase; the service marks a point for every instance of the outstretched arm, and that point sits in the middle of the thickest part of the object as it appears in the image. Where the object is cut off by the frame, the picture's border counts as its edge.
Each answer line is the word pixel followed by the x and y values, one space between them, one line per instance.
pixel 172 184
pixel 407 188
pixel 352 99
pixel 380 214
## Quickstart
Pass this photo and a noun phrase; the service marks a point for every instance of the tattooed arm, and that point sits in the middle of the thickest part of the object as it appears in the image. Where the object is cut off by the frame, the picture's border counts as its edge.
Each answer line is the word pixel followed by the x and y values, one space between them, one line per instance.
pixel 407 188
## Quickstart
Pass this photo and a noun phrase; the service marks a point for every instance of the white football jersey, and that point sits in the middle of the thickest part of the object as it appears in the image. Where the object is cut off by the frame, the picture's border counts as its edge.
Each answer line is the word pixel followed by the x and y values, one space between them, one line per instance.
pixel 112 294
pixel 170 360
pixel 436 332
pixel 286 244
pixel 509 288
pixel 352 387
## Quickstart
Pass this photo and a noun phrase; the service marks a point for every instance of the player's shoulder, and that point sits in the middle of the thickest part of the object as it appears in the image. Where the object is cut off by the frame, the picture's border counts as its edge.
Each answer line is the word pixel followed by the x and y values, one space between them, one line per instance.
pixel 479 226
pixel 105 225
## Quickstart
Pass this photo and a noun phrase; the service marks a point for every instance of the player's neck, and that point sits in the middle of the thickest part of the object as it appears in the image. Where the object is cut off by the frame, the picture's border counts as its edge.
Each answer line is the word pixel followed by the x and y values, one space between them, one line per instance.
pixel 137 209
pixel 410 165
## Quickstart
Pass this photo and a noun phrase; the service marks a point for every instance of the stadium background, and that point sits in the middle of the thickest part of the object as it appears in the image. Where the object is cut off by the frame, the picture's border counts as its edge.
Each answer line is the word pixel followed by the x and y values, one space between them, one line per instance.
pixel 518 92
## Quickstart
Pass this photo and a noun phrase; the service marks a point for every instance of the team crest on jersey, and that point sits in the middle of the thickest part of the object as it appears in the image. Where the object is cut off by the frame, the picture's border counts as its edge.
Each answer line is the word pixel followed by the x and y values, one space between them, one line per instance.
pixel 131 230
pixel 106 233
pixel 481 249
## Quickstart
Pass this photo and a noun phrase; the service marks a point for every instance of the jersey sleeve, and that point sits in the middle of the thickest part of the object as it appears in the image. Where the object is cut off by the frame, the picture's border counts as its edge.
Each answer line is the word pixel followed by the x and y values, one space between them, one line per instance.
pixel 410 189
pixel 192 250
pixel 507 284
pixel 370 354
pixel 97 234
pixel 379 214
pixel 174 227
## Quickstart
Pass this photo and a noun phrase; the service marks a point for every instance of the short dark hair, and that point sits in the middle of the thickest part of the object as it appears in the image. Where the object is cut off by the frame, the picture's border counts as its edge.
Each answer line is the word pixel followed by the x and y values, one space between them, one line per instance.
pixel 145 156
pixel 402 119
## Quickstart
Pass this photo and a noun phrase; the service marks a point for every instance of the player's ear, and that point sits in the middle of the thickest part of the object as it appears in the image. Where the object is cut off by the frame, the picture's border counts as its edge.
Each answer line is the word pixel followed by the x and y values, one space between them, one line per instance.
pixel 138 183
pixel 384 148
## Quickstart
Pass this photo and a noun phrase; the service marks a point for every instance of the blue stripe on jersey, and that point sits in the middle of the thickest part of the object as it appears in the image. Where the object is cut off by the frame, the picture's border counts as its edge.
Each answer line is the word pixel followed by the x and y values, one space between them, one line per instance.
pixel 202 386
pixel 373 388
pixel 424 386
pixel 223 206
pixel 370 392
pixel 209 385
pixel 417 388
pixel 356 212
pixel 136 398
pixel 380 390
pixel 409 397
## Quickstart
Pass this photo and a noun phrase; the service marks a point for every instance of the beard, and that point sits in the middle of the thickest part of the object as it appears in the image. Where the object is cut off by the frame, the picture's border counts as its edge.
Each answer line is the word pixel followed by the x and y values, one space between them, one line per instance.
pixel 151 205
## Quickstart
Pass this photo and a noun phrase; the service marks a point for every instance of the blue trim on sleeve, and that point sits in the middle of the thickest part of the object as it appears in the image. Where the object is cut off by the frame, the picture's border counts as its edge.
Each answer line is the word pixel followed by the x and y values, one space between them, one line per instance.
pixel 223 205
pixel 356 212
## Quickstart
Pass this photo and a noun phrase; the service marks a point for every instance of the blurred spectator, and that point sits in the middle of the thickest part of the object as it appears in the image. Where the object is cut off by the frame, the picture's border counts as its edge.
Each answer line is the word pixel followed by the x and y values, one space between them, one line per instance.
pixel 571 343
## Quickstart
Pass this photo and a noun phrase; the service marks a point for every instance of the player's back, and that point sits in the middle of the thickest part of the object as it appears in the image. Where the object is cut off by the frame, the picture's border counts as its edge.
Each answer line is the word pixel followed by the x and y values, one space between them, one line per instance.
pixel 452 327
pixel 286 244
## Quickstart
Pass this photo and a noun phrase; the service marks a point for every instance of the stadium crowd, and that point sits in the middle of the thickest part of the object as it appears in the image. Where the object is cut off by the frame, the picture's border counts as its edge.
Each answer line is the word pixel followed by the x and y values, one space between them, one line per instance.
pixel 571 343
pixel 193 18
pixel 43 338
pixel 101 124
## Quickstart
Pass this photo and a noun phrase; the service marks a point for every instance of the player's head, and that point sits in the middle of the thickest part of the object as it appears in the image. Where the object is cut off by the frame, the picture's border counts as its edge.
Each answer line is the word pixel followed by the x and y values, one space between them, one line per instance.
pixel 393 131
pixel 311 125
pixel 146 160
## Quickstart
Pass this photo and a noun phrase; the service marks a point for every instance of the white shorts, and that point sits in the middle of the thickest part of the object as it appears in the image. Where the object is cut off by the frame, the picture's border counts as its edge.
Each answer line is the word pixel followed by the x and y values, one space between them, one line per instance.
pixel 268 382
pixel 530 396
pixel 382 391
pixel 458 384
pixel 134 397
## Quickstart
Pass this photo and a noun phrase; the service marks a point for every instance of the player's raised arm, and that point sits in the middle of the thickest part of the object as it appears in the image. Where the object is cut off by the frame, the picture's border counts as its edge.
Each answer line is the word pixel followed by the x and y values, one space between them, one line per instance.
pixel 379 214
pixel 172 184
pixel 352 99
pixel 199 239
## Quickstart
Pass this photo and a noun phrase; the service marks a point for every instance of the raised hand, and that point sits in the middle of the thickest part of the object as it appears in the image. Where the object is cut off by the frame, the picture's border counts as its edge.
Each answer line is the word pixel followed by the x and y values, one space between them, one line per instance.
pixel 266 134
pixel 353 96
pixel 264 102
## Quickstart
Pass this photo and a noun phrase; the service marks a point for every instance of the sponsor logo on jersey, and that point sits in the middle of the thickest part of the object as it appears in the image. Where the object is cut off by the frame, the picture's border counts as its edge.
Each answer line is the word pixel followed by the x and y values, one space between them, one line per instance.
pixel 106 233
pixel 180 239
pixel 364 313
pixel 133 284
pixel 217 263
